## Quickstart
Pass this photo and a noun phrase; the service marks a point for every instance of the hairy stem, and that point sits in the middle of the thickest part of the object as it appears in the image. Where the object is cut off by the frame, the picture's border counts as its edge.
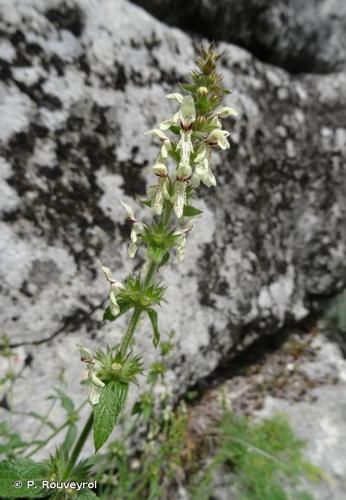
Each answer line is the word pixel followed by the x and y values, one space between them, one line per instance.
pixel 79 445
pixel 148 279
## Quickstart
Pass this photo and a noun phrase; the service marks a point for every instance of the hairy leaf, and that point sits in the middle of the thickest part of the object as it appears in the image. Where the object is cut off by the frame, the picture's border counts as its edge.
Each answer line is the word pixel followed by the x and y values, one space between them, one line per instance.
pixel 111 402
pixel 14 475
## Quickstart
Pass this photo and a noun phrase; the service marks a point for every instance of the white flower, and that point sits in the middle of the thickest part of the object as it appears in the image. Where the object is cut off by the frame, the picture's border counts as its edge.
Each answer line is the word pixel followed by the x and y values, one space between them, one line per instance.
pixel 181 242
pixel 129 211
pixel 202 170
pixel 94 394
pixel 185 116
pixel 218 137
pixel 94 367
pixel 185 146
pixel 178 97
pixel 115 289
pixel 203 173
pixel 225 112
pixel 187 113
pixel 96 384
pixel 159 193
pixel 179 198
pixel 85 354
pixel 137 229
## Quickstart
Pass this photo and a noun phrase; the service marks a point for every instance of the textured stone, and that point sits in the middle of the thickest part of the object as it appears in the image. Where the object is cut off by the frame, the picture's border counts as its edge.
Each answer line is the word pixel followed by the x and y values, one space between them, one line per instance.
pixel 81 83
pixel 321 422
pixel 298 35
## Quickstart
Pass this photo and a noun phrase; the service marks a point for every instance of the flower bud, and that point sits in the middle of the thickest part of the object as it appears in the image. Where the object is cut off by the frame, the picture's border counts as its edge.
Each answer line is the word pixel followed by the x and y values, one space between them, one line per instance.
pixel 202 91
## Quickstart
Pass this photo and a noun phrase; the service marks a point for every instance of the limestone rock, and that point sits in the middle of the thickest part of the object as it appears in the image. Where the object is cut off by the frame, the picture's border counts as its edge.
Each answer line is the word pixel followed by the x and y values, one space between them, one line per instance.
pixel 81 81
pixel 321 421
pixel 297 35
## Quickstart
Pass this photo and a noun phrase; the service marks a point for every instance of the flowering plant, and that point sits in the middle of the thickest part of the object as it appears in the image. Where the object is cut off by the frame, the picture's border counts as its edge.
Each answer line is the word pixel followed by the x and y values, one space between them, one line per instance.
pixel 184 162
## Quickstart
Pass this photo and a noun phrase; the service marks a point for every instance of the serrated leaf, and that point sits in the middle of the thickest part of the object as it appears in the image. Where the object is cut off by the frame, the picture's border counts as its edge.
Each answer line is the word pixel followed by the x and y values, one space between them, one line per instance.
pixel 154 323
pixel 112 400
pixel 190 211
pixel 19 471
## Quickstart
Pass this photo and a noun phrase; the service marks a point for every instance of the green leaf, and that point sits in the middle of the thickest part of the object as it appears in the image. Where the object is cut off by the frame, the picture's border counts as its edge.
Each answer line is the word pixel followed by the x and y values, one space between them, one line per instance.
pixel 147 203
pixel 87 494
pixel 107 315
pixel 190 211
pixel 165 259
pixel 112 400
pixel 70 437
pixel 14 477
pixel 11 440
pixel 156 334
pixel 66 401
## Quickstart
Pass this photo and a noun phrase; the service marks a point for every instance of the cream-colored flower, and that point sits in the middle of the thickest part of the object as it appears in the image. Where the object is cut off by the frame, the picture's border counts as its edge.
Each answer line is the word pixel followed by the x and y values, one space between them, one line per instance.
pixel 181 242
pixel 179 198
pixel 159 193
pixel 115 289
pixel 218 137
pixel 203 173
pixel 187 113
pixel 94 367
pixel 184 117
pixel 225 112
pixel 178 97
pixel 137 229
pixel 185 146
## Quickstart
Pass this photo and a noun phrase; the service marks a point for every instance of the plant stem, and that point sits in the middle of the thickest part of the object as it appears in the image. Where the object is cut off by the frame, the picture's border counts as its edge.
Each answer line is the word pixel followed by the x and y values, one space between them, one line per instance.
pixel 149 277
pixel 53 434
pixel 79 445
pixel 130 331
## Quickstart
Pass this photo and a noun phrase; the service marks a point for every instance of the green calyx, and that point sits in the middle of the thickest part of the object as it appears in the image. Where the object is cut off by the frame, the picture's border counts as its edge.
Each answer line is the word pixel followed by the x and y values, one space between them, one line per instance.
pixel 113 366
pixel 159 240
pixel 135 294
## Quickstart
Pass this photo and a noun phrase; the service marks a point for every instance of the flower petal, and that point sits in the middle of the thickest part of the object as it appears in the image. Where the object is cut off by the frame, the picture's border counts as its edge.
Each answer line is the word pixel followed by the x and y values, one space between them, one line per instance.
pixel 129 211
pixel 178 97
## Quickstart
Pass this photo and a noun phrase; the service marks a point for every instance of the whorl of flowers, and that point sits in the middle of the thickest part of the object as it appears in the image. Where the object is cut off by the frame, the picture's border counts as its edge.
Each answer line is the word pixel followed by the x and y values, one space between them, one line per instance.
pixel 187 140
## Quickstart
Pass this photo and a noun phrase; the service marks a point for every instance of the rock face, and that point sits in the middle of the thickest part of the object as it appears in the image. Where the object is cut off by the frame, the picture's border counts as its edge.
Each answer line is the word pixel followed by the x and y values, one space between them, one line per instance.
pixel 297 35
pixel 80 84
pixel 304 379
pixel 321 421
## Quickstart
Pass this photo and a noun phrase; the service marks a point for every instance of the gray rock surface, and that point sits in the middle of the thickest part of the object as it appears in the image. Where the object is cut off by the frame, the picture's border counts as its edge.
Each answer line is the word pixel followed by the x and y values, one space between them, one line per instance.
pixel 299 35
pixel 321 422
pixel 305 380
pixel 80 84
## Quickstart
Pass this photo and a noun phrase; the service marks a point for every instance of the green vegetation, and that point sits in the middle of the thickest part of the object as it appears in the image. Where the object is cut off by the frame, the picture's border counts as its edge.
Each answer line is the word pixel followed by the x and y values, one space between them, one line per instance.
pixel 261 461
